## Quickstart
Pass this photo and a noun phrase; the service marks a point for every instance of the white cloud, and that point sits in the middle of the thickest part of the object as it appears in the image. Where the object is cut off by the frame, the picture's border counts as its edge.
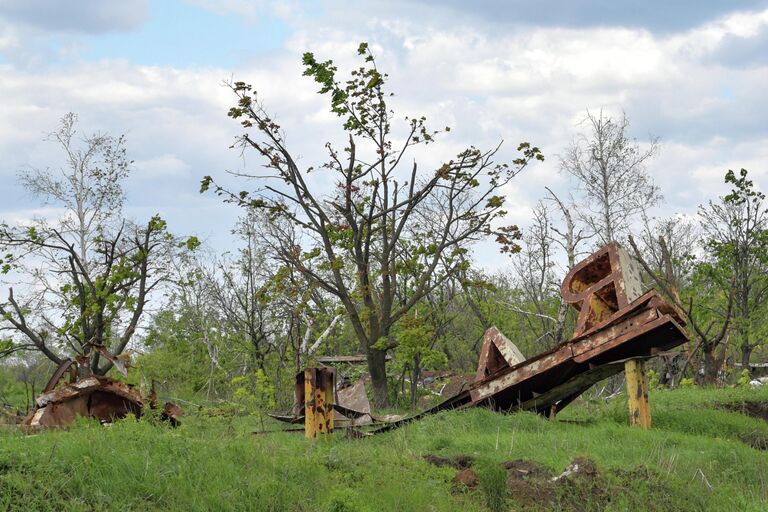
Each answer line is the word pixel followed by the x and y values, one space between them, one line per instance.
pixel 531 84
pixel 163 166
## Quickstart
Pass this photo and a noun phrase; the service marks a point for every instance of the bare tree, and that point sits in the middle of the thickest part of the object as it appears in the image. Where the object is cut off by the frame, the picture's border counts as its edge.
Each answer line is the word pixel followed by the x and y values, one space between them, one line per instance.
pixel 610 171
pixel 568 238
pixel 537 280
pixel 86 278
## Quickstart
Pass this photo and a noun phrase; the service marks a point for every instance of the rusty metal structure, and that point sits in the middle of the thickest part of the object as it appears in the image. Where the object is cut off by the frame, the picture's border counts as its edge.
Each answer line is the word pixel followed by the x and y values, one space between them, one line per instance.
pixel 618 328
pixel 94 396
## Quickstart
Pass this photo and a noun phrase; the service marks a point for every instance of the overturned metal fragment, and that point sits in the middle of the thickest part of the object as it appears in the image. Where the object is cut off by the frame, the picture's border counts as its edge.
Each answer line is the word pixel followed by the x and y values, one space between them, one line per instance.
pixel 95 396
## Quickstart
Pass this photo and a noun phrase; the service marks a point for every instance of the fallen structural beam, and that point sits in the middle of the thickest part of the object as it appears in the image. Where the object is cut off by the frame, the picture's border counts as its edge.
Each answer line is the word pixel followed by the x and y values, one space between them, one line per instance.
pixel 639 331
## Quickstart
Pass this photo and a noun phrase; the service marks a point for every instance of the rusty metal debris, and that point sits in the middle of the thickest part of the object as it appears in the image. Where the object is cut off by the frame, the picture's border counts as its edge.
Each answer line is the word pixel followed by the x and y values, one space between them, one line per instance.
pixel 348 408
pixel 356 359
pixel 318 399
pixel 618 327
pixel 616 324
pixel 94 396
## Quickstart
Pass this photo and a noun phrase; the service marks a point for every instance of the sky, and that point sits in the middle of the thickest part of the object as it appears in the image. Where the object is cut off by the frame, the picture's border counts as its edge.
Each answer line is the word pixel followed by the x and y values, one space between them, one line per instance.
pixel 693 73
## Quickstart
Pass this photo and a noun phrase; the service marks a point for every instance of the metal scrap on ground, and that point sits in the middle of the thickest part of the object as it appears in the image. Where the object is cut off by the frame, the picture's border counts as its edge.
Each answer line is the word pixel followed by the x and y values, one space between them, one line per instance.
pixel 617 324
pixel 94 396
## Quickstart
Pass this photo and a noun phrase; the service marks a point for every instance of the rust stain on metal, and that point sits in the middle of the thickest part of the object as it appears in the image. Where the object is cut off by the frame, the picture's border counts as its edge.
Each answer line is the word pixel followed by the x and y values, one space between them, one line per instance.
pixel 497 353
pixel 601 285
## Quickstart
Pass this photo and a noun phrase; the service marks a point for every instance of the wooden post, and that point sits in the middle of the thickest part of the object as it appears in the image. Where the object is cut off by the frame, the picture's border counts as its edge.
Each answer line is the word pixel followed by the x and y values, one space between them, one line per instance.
pixel 319 385
pixel 637 394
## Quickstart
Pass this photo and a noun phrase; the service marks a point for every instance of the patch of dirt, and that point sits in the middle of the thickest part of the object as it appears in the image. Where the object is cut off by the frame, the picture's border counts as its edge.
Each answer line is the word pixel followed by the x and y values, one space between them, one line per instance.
pixel 533 486
pixel 465 479
pixel 754 409
pixel 580 487
pixel 457 462
pixel 530 484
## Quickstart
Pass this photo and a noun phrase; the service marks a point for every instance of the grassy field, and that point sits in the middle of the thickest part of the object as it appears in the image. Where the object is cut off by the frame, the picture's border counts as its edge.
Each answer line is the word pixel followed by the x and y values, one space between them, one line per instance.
pixel 698 456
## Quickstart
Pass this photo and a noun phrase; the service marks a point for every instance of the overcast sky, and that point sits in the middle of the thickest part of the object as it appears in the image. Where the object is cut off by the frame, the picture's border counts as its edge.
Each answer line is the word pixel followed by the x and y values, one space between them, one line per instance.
pixel 693 73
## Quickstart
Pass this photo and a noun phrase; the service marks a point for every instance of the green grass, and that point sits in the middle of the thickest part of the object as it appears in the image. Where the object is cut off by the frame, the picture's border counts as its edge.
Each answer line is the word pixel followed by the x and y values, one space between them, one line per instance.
pixel 693 459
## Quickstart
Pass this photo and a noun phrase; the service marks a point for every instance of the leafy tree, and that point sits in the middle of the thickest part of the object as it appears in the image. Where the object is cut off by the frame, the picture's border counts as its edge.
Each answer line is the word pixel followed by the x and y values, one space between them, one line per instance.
pixel 385 236
pixel 736 235
pixel 88 275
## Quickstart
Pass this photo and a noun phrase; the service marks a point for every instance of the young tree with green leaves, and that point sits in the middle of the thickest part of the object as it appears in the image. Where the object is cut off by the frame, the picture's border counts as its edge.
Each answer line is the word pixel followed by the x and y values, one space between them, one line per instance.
pixel 387 234
pixel 736 235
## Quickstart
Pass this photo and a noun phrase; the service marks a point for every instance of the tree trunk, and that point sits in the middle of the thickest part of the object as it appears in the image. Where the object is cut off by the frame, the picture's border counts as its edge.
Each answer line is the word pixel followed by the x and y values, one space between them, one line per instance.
pixel 746 355
pixel 378 370
pixel 711 365
pixel 415 383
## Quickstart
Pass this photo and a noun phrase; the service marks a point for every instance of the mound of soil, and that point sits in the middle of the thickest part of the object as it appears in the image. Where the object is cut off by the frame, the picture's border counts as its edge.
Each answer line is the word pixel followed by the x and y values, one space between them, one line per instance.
pixel 579 487
pixel 465 479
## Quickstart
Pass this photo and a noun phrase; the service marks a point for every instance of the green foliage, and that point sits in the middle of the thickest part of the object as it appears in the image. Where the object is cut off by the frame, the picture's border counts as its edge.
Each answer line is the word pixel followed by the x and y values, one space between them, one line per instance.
pixel 744 379
pixel 653 379
pixel 253 391
pixel 493 484
pixel 687 383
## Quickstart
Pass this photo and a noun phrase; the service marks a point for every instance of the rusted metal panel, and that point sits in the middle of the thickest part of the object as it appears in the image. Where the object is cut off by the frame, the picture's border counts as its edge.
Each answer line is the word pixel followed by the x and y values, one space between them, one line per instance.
pixel 614 333
pixel 497 353
pixel 354 397
pixel 601 285
pixel 94 396
pixel 666 331
pixel 497 383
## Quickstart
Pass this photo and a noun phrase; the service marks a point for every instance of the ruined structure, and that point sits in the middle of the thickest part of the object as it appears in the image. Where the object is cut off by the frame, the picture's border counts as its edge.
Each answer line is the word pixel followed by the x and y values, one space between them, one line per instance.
pixel 618 328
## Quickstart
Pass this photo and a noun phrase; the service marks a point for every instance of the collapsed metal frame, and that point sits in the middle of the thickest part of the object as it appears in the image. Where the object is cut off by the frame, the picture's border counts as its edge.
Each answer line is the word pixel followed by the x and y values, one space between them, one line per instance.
pixel 618 328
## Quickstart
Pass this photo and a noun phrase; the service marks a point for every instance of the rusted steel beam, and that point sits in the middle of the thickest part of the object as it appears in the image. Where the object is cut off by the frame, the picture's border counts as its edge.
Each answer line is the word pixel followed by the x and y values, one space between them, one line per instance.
pixel 319 387
pixel 66 365
pixel 637 394
pixel 356 359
